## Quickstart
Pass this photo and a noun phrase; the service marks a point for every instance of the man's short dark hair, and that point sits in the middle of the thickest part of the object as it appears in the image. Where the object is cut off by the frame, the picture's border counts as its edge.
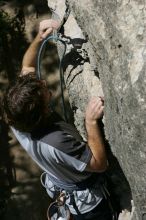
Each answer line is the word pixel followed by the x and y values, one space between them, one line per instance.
pixel 24 103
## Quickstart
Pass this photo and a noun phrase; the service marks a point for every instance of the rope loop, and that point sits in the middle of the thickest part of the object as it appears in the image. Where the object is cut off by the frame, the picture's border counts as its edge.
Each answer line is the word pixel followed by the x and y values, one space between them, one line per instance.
pixel 56 38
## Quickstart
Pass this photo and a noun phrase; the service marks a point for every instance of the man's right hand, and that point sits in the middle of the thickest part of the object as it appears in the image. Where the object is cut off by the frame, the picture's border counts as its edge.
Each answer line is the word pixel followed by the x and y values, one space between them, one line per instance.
pixel 94 110
pixel 47 26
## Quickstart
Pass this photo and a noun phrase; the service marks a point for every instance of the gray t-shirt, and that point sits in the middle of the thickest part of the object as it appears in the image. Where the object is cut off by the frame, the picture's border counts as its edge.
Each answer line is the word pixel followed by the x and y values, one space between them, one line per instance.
pixel 63 155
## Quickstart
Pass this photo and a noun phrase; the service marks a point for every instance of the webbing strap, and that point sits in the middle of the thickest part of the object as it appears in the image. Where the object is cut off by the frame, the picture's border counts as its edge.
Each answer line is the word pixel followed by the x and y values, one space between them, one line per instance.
pixel 69 187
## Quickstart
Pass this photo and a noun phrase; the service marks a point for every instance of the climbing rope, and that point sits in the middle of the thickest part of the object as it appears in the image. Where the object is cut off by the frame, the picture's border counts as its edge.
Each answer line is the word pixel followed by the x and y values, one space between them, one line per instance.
pixel 56 38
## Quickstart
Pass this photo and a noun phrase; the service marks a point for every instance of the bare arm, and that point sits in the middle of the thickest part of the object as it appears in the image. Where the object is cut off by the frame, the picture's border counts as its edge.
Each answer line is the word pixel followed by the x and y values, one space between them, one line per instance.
pixel 94 111
pixel 30 56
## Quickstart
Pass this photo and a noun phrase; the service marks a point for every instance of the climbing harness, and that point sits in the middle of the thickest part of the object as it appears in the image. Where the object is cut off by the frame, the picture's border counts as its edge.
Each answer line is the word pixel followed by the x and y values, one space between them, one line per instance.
pixel 66 189
pixel 63 190
pixel 57 209
pixel 56 38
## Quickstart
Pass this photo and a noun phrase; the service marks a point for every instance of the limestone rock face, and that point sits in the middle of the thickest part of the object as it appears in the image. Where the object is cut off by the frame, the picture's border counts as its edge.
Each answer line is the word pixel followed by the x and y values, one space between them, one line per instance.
pixel 80 79
pixel 116 50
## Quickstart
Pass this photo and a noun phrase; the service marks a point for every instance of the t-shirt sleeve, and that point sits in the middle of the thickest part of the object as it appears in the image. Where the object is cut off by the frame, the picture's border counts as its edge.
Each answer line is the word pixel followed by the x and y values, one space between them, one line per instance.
pixel 78 163
pixel 68 151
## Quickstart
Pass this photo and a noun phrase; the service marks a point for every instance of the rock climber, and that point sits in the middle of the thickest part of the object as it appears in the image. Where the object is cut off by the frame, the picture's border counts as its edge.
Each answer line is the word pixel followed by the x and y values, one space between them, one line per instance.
pixel 71 165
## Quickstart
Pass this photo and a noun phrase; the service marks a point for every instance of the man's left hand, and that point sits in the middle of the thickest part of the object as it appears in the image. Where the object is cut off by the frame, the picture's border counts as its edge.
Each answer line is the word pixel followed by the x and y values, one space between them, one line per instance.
pixel 47 26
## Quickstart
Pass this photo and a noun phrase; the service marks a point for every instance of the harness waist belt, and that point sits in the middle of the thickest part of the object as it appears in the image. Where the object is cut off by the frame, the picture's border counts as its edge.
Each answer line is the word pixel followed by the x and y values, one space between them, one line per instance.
pixel 87 183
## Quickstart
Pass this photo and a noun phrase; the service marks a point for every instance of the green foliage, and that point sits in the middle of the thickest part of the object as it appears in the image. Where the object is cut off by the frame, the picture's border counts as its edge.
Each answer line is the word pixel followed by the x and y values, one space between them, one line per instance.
pixel 12 42
pixel 10 25
pixel 4 21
